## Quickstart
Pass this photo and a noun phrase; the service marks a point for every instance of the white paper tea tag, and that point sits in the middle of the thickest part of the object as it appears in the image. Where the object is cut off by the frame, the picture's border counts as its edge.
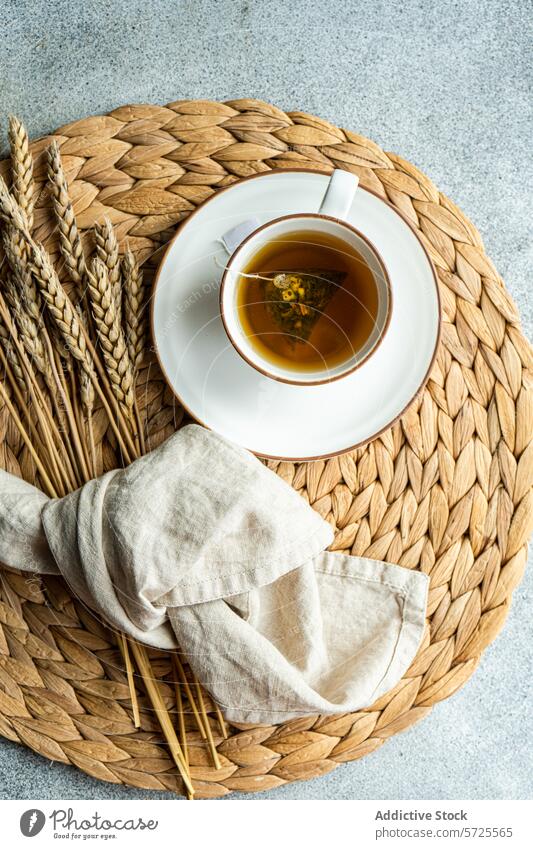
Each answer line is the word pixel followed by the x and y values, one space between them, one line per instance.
pixel 237 234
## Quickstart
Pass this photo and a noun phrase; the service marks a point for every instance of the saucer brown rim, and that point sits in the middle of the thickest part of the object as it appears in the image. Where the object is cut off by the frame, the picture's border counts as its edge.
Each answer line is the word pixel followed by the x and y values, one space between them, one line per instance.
pixel 275 171
pixel 386 276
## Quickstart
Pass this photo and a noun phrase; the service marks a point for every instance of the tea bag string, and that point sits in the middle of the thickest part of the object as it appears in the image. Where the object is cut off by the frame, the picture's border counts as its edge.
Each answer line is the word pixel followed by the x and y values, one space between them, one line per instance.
pixel 224 267
pixel 274 274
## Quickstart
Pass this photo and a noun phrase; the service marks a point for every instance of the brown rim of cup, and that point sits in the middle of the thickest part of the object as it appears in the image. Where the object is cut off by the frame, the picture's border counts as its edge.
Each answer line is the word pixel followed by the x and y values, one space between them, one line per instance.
pixel 386 277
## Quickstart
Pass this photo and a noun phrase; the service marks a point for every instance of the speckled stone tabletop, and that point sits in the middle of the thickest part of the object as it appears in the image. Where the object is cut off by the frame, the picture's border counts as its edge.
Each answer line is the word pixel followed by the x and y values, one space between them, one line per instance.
pixel 445 84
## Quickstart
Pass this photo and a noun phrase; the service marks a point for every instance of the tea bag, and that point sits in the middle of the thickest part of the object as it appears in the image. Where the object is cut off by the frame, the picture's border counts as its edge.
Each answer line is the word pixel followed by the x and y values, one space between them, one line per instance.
pixel 296 300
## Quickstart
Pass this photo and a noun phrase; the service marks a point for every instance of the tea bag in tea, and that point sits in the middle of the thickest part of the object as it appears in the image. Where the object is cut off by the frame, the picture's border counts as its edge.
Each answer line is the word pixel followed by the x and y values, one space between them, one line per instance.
pixel 296 300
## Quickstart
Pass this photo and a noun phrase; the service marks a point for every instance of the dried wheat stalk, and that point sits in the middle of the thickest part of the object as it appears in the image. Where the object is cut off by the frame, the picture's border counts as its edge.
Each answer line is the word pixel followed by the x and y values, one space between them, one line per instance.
pixel 72 248
pixel 16 251
pixel 198 709
pixel 71 328
pixel 28 329
pixel 34 347
pixel 11 212
pixel 36 280
pixel 141 658
pixel 62 471
pixel 12 359
pixel 26 307
pixel 60 307
pixel 68 321
pixel 69 237
pixel 10 363
pixel 107 251
pixel 110 334
pixel 47 427
pixel 135 322
pixel 66 318
pixel 52 292
pixel 21 168
pixel 42 471
pixel 134 309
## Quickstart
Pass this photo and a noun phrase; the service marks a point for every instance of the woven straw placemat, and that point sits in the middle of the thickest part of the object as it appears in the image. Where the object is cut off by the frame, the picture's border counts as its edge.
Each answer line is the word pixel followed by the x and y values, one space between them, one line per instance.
pixel 447 489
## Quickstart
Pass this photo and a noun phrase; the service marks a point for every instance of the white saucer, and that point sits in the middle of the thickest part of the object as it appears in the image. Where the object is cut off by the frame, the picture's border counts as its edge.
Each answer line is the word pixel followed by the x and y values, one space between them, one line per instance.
pixel 226 394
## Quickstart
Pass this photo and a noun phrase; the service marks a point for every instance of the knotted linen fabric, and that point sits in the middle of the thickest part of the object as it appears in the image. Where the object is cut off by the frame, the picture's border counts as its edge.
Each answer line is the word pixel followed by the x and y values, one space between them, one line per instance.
pixel 199 545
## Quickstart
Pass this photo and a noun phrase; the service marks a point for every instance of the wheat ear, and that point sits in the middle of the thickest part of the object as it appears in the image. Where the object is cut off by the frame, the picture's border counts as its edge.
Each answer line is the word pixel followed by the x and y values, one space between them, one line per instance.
pixel 134 309
pixel 34 332
pixel 10 354
pixel 135 322
pixel 28 329
pixel 69 237
pixel 21 168
pixel 16 251
pixel 110 335
pixel 70 240
pixel 60 307
pixel 107 251
pixel 70 326
pixel 11 212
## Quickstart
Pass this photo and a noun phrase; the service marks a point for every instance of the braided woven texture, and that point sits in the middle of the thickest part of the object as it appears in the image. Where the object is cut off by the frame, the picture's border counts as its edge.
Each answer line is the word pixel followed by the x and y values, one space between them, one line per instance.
pixel 448 489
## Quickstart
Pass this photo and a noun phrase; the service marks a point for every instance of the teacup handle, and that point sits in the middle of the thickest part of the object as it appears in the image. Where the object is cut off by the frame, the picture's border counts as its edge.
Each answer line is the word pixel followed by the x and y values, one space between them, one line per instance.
pixel 339 194
pixel 335 203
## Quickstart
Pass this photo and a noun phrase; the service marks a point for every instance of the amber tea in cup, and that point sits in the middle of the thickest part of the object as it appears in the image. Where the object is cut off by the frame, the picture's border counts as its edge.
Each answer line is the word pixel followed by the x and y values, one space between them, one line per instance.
pixel 305 298
pixel 307 301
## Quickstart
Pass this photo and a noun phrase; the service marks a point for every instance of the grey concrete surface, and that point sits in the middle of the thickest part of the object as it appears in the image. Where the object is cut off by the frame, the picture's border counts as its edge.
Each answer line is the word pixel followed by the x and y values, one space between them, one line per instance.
pixel 445 84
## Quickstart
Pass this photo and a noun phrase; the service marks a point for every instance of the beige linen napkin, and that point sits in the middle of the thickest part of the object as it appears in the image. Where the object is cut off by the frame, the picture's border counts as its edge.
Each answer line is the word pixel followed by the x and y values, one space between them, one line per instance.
pixel 199 545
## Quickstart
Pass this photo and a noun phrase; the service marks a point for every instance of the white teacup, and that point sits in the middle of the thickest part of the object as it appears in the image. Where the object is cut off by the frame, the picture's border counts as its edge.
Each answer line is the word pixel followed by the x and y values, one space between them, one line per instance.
pixel 329 220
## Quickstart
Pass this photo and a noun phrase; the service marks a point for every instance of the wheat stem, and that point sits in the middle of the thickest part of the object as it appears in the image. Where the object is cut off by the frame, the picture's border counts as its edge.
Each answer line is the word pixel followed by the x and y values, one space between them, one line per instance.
pixel 207 725
pixel 92 447
pixel 34 340
pixel 123 643
pixel 48 426
pixel 183 680
pixel 42 471
pixel 78 418
pixel 61 389
pixel 181 720
pixel 23 407
pixel 221 722
pixel 141 659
